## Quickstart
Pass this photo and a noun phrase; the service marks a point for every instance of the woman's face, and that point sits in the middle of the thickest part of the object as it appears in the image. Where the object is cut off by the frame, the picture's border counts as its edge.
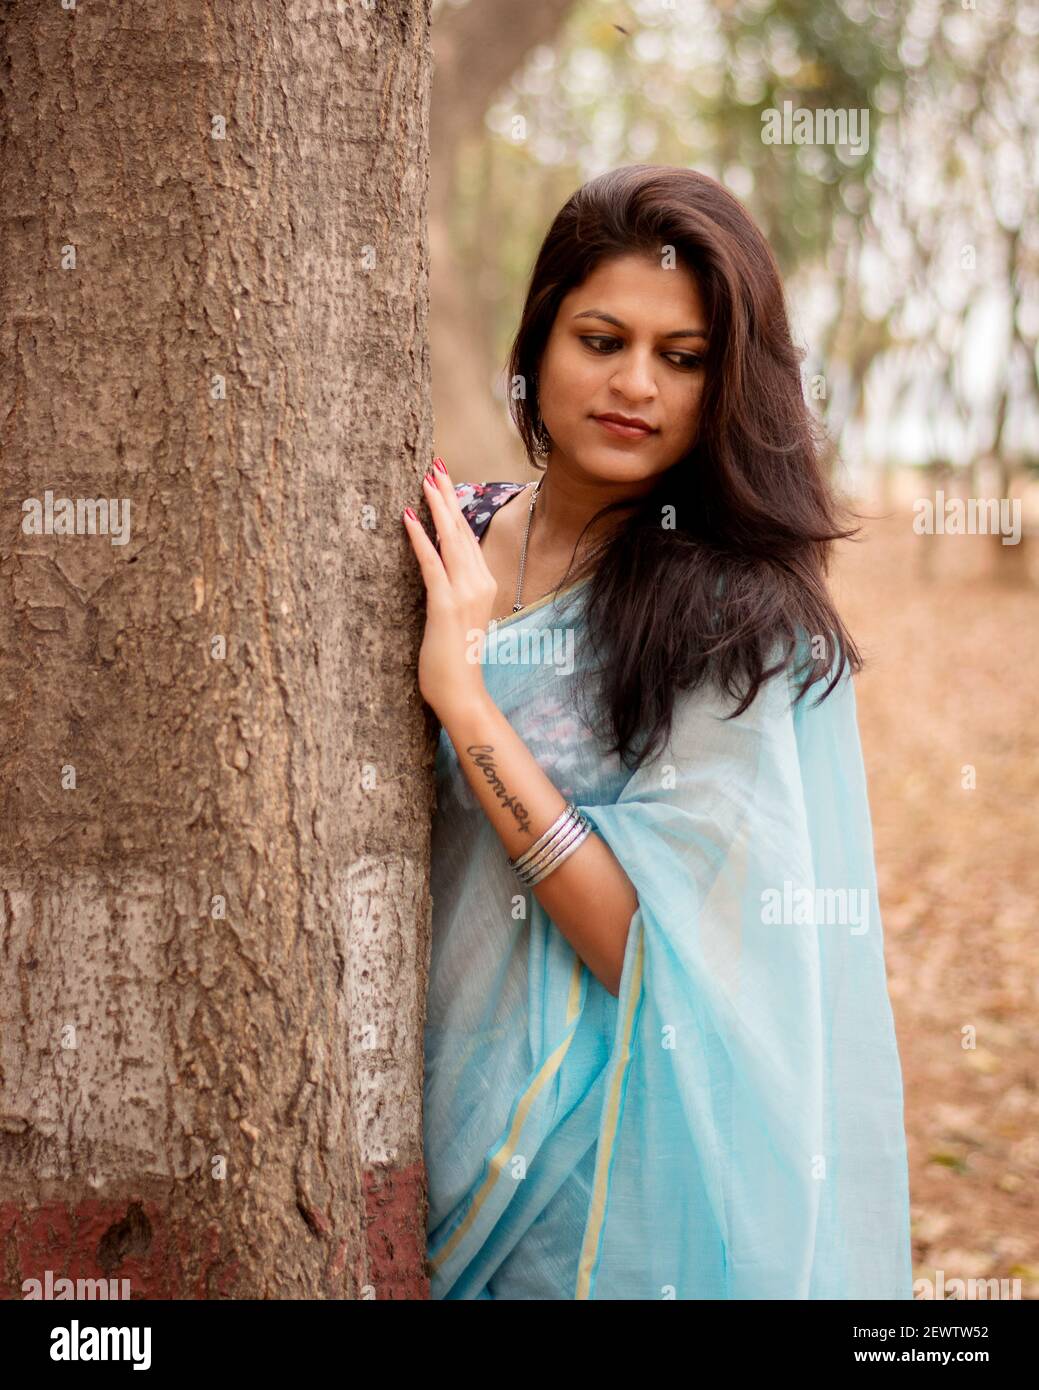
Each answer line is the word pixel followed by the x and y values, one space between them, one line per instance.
pixel 629 342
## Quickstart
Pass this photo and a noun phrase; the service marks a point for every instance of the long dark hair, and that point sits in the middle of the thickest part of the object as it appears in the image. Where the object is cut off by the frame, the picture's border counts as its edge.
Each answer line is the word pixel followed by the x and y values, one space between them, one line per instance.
pixel 754 518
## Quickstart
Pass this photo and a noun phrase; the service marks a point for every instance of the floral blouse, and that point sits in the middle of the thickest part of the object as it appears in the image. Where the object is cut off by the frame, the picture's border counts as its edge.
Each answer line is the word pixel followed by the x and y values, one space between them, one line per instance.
pixel 481 500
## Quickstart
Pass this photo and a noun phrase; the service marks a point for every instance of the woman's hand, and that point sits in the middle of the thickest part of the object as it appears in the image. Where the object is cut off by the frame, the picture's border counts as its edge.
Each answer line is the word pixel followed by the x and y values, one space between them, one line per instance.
pixel 460 594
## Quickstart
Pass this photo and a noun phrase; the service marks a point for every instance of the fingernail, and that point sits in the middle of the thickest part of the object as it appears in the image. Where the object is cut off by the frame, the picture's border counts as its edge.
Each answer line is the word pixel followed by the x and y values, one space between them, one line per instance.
pixel 409 512
pixel 429 479
pixel 438 462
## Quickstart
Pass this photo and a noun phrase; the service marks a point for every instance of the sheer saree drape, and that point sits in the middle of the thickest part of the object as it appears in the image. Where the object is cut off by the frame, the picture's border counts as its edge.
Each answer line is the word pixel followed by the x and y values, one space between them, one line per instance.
pixel 731 1125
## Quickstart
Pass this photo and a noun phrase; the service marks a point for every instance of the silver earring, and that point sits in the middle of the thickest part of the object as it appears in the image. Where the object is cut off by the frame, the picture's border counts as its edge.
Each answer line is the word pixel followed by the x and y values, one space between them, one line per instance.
pixel 542 439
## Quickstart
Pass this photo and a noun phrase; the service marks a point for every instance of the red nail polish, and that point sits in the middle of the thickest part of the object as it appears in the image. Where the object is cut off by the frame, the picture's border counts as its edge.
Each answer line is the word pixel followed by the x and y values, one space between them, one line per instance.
pixel 410 513
pixel 438 462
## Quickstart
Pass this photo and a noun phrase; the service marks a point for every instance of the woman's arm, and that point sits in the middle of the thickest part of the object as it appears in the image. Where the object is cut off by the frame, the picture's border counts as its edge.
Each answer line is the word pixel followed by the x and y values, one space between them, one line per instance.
pixel 589 897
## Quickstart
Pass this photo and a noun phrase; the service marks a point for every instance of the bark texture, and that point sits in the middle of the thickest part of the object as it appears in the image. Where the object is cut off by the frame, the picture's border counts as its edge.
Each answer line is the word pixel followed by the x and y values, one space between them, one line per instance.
pixel 214 912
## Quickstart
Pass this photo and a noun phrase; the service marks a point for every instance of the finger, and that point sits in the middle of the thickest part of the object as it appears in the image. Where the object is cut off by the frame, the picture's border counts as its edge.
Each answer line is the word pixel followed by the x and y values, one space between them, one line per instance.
pixel 439 472
pixel 464 529
pixel 430 563
pixel 461 551
pixel 446 489
pixel 455 553
pixel 440 488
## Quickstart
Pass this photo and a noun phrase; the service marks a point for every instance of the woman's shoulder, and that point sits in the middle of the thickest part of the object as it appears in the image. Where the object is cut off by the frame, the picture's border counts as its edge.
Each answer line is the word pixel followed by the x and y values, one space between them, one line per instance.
pixel 479 501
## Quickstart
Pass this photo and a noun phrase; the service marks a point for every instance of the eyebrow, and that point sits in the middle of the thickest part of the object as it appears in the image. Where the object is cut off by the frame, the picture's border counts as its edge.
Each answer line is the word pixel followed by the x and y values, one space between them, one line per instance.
pixel 609 318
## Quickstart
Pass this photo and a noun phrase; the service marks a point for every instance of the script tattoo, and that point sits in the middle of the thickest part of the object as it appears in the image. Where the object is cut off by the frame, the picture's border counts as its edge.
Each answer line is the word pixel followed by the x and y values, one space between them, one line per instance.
pixel 482 758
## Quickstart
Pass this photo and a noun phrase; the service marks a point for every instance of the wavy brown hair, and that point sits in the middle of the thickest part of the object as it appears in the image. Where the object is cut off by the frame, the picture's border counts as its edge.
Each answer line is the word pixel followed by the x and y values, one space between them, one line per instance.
pixel 754 519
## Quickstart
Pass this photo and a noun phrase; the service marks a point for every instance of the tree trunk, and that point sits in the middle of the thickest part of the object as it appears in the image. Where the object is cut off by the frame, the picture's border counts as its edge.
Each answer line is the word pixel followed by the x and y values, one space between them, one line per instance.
pixel 1010 562
pixel 214 920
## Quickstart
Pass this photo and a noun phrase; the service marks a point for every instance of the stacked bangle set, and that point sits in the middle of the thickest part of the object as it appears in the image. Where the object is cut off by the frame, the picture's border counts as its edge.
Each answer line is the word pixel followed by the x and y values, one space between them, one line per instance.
pixel 547 852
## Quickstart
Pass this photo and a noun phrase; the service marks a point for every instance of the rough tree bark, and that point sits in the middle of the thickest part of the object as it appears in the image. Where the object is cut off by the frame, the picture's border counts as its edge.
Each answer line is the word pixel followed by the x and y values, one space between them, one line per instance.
pixel 214 912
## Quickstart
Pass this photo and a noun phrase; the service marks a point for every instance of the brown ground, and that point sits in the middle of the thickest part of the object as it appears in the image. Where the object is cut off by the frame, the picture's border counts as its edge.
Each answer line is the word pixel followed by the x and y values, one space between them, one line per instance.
pixel 951 678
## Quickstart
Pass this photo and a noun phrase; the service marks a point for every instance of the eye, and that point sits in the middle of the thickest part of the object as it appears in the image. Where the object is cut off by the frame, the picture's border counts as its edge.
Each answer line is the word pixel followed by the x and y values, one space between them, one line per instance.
pixel 688 361
pixel 597 339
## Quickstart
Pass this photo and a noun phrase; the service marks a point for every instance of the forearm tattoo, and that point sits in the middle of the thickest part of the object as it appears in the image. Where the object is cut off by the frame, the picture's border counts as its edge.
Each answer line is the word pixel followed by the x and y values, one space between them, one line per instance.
pixel 481 753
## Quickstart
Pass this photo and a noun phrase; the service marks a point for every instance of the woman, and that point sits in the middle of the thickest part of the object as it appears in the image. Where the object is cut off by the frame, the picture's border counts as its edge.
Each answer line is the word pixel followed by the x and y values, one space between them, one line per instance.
pixel 660 1056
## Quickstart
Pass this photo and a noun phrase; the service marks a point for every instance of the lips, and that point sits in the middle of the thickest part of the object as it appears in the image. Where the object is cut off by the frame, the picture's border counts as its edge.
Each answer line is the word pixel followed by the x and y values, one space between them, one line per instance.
pixel 626 420
pixel 625 426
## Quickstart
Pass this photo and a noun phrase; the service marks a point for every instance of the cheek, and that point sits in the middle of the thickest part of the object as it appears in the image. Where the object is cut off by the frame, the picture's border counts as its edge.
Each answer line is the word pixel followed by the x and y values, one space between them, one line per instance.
pixel 683 407
pixel 578 376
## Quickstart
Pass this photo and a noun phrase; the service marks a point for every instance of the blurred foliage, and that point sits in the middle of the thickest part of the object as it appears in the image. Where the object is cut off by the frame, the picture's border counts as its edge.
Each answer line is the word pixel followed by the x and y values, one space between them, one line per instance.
pixel 890 255
pixel 682 86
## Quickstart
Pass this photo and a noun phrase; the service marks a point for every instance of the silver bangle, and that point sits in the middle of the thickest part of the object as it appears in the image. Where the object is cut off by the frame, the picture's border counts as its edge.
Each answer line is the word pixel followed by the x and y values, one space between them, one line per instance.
pixel 551 852
pixel 566 834
pixel 579 838
pixel 567 814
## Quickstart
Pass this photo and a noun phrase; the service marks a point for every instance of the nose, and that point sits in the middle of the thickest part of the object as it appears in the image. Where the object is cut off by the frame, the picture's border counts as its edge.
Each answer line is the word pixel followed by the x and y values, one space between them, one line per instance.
pixel 634 378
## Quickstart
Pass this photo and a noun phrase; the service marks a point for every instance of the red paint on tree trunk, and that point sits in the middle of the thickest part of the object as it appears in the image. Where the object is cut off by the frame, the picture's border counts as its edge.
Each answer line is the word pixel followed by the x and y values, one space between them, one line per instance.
pixel 395 1224
pixel 130 1239
pixel 127 1239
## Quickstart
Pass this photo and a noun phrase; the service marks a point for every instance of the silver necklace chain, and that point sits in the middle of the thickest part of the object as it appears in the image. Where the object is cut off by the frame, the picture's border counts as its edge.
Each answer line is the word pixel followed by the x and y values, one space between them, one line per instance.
pixel 518 606
pixel 523 552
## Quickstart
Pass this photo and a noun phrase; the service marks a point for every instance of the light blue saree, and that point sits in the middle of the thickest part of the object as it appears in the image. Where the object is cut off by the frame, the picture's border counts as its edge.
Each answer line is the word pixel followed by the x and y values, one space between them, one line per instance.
pixel 730 1126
